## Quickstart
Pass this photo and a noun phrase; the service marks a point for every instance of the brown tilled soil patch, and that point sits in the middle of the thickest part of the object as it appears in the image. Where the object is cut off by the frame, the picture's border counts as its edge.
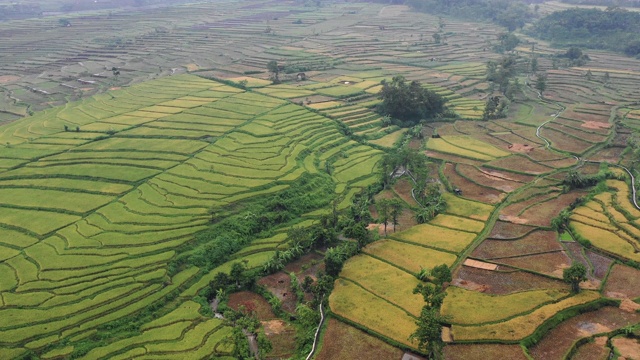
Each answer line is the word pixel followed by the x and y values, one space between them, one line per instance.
pixel 483 352
pixel 541 214
pixel 623 282
pixel 471 190
pixel 282 337
pixel 279 284
pixel 534 243
pixel 493 179
pixel 595 125
pixel 628 348
pixel 480 264
pixel 8 78
pixel 252 303
pixel 521 148
pixel 403 189
pixel 507 230
pixel 343 342
pixel 551 263
pixel 558 341
pixel 629 306
pixel 503 282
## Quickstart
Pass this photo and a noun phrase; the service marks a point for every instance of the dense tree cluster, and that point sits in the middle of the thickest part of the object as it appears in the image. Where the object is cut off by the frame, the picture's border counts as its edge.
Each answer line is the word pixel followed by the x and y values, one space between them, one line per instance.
pixel 612 29
pixel 510 14
pixel 409 102
pixel 621 3
pixel 429 323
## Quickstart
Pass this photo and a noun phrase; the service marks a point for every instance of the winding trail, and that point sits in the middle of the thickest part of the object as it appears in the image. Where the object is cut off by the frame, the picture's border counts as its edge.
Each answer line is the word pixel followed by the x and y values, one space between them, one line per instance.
pixel 548 146
pixel 317 335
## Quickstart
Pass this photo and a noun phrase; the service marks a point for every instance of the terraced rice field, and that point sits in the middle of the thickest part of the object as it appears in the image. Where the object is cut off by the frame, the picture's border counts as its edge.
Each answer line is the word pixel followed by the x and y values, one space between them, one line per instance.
pixel 385 274
pixel 111 209
pixel 98 195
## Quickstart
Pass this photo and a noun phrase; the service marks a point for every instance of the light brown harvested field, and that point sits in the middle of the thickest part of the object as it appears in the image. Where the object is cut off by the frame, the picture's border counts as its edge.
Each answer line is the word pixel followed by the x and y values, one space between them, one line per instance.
pixel 541 214
pixel 610 155
pixel 514 210
pixel 504 281
pixel 4 79
pixel 480 265
pixel 544 154
pixel 483 352
pixel 489 179
pixel 550 263
pixel 561 141
pixel 628 348
pixel 507 230
pixel 452 158
pixel 520 164
pixel 623 282
pixel 253 303
pixel 472 190
pixel 344 342
pixel 558 341
pixel 533 243
pixel 596 350
pixel 596 125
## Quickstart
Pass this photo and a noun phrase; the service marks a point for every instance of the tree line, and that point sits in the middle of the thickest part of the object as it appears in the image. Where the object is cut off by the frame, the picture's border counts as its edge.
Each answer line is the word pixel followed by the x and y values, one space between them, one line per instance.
pixel 613 29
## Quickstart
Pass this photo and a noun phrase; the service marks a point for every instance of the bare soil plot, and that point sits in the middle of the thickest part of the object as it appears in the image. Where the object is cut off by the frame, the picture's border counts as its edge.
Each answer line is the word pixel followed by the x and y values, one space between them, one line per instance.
pixel 503 281
pixel 470 189
pixel 533 243
pixel 595 350
pixel 344 342
pixel 506 230
pixel 279 284
pixel 628 348
pixel 623 282
pixel 558 341
pixel 253 303
pixel 483 352
pixel 549 263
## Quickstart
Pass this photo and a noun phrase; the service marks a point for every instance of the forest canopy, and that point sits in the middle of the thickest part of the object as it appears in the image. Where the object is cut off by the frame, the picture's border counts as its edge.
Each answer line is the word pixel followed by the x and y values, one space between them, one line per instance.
pixel 508 13
pixel 409 102
pixel 613 29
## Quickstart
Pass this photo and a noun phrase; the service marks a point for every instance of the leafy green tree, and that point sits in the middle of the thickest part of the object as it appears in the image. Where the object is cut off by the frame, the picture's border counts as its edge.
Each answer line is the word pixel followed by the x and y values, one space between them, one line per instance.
pixel 541 83
pixel 397 207
pixel 433 296
pixel 437 38
pixel 534 64
pixel 237 272
pixel 383 206
pixel 441 275
pixel 573 53
pixel 274 69
pixel 560 222
pixel 429 333
pixel 264 345
pixel 409 102
pixel 508 42
pixel 574 275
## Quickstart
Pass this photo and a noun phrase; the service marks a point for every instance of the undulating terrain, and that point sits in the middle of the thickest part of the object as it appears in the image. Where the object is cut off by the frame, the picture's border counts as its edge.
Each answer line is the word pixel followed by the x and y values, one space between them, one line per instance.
pixel 129 137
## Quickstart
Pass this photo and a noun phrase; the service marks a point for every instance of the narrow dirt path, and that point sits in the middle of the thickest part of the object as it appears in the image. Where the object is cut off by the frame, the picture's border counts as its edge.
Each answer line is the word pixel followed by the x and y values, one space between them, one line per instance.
pixel 548 145
pixel 317 335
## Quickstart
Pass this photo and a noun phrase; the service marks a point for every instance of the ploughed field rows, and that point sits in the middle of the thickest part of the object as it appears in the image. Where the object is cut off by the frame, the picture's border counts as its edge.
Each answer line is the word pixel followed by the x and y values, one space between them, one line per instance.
pixel 91 217
pixel 49 63
pixel 377 285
